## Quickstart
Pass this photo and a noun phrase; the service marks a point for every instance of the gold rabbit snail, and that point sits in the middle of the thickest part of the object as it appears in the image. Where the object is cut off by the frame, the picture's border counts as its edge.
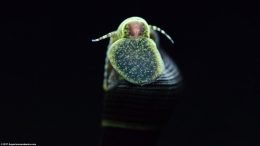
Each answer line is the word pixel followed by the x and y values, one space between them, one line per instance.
pixel 142 80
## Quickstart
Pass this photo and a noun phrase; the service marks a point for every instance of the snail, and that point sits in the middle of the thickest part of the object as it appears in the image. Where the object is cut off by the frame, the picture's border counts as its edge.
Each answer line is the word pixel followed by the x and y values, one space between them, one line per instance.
pixel 132 53
pixel 140 79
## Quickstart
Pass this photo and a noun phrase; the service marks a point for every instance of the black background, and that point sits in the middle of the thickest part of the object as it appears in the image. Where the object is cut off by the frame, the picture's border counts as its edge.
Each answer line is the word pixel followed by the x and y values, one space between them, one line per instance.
pixel 51 73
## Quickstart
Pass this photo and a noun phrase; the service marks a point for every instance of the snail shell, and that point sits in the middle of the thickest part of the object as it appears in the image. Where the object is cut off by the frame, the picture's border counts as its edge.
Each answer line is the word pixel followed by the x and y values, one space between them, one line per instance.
pixel 146 107
pixel 141 81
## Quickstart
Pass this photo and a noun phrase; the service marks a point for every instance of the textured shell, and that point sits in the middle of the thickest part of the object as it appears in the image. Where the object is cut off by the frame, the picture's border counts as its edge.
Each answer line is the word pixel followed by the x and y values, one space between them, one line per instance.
pixel 129 64
pixel 145 107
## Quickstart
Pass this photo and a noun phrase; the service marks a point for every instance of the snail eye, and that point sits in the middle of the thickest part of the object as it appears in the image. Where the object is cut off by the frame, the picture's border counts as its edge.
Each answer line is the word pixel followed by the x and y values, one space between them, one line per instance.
pixel 137 60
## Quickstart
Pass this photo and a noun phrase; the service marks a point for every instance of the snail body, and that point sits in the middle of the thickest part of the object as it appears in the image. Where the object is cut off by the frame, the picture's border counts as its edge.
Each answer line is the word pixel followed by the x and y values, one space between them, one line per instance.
pixel 132 53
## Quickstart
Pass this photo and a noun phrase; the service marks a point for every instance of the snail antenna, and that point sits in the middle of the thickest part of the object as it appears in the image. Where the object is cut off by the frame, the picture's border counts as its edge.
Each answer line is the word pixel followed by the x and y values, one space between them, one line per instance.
pixel 104 37
pixel 161 31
